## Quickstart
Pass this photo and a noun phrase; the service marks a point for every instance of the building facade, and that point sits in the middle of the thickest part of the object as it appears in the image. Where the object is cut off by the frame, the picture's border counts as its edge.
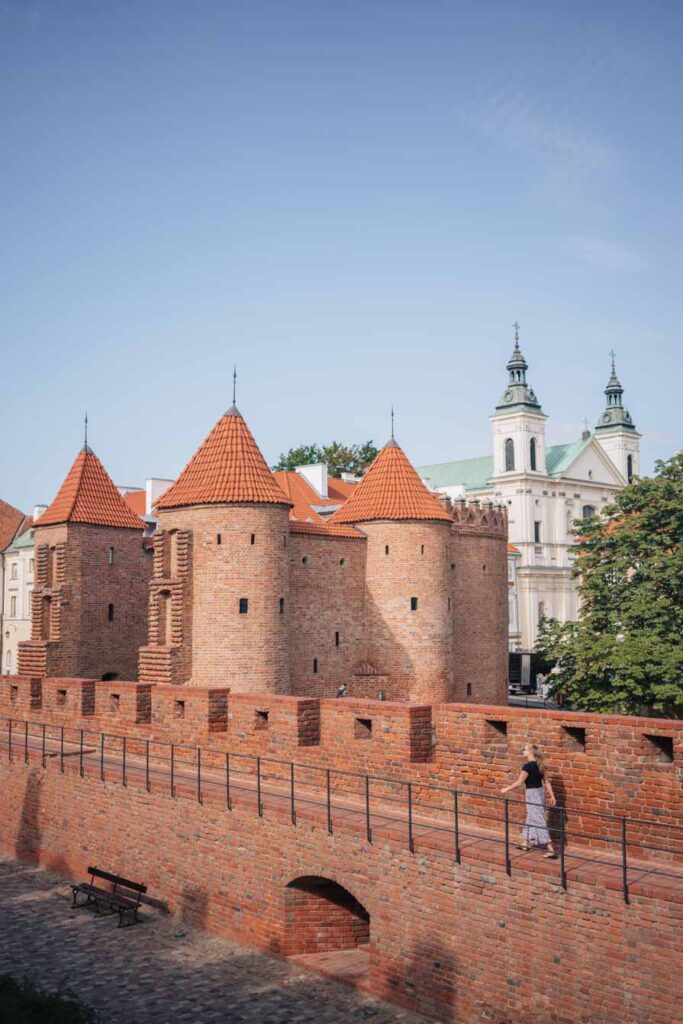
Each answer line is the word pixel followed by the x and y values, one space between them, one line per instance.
pixel 545 489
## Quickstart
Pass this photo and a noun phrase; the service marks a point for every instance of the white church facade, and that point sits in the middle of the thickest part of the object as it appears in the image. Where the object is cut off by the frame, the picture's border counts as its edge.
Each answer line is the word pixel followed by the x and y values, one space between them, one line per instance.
pixel 546 489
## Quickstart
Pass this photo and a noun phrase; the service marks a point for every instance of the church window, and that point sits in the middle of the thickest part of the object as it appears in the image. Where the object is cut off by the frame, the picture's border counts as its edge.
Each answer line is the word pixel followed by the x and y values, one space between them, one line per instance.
pixel 110 613
pixel 509 455
pixel 629 468
pixel 587 511
pixel 537 532
pixel 244 605
pixel 532 453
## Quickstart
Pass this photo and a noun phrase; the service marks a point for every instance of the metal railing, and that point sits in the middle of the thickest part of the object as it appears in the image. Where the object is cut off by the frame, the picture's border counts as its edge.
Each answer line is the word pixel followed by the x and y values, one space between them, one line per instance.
pixel 424 815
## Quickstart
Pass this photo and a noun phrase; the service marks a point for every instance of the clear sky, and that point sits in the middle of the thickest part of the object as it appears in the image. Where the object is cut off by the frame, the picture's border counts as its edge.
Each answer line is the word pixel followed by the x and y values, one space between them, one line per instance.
pixel 353 201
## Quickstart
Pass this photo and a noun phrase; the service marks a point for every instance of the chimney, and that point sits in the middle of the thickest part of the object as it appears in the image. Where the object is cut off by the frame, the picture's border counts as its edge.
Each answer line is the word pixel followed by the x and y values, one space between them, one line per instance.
pixel 154 488
pixel 38 511
pixel 316 476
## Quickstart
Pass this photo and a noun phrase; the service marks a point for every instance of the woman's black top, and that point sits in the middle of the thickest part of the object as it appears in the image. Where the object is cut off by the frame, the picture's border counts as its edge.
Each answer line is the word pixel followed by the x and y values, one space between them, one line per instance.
pixel 534 779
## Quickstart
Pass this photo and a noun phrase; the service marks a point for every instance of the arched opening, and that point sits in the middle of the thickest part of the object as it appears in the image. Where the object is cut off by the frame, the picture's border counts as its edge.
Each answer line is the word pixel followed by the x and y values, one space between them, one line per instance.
pixel 163 628
pixel 532 453
pixel 629 468
pixel 327 928
pixel 509 455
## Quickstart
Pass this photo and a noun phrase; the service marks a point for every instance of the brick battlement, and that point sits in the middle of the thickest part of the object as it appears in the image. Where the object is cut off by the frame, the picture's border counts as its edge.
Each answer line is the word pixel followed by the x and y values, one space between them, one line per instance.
pixel 478 517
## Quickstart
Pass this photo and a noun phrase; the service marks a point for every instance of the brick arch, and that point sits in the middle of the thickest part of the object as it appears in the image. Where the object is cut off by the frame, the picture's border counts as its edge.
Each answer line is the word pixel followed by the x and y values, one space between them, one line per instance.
pixel 322 916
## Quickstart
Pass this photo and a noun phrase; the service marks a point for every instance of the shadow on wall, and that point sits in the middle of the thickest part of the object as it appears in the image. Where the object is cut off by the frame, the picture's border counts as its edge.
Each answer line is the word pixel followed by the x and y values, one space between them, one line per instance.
pixel 29 833
pixel 193 906
pixel 430 984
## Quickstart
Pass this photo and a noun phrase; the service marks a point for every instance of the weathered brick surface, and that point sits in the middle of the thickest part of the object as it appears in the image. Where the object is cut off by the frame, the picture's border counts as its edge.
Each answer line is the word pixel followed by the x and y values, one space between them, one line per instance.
pixel 451 940
pixel 77 580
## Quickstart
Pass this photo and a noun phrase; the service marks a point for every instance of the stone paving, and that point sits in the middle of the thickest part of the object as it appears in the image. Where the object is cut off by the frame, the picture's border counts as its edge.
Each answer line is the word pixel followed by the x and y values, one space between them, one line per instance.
pixel 161 972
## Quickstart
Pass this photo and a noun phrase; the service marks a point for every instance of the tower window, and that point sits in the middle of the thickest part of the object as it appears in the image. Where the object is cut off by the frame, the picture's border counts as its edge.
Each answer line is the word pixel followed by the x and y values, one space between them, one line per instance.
pixel 218 538
pixel 304 560
pixel 336 639
pixel 315 666
pixel 413 604
pixel 282 606
pixel 422 549
pixel 469 689
pixel 537 532
pixel 253 538
pixel 386 549
pixel 629 468
pixel 449 604
pixel 110 613
pixel 509 455
pixel 111 556
pixel 342 562
pixel 244 605
pixel 532 453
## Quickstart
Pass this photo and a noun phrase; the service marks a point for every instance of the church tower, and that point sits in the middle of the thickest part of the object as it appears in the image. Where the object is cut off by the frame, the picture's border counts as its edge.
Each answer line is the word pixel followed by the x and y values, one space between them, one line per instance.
pixel 518 423
pixel 616 431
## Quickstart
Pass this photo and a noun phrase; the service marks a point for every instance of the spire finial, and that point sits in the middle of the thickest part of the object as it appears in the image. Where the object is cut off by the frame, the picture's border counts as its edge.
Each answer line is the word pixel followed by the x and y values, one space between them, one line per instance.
pixel 234 385
pixel 516 327
pixel 614 356
pixel 85 431
pixel 392 422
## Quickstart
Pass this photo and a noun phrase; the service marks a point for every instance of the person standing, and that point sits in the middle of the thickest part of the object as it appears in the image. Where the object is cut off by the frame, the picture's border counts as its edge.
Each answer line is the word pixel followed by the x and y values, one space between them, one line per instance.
pixel 534 778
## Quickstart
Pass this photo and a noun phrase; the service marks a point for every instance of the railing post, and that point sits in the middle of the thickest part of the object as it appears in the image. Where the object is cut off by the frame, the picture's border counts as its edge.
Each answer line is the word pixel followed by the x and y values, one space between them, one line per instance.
pixel 123 762
pixel 624 863
pixel 291 792
pixel 508 866
pixel 80 756
pixel 147 779
pixel 367 808
pixel 9 751
pixel 456 826
pixel 199 775
pixel 172 770
pixel 101 757
pixel 43 753
pixel 328 789
pixel 227 781
pixel 61 750
pixel 563 866
pixel 411 844
pixel 258 787
pixel 26 742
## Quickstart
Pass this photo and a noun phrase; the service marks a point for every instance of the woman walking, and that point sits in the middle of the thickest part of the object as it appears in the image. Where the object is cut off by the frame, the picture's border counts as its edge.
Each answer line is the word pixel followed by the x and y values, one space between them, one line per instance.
pixel 536 782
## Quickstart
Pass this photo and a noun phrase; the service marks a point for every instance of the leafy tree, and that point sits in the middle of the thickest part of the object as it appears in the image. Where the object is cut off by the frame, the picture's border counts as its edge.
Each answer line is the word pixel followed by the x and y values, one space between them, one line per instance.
pixel 625 652
pixel 340 458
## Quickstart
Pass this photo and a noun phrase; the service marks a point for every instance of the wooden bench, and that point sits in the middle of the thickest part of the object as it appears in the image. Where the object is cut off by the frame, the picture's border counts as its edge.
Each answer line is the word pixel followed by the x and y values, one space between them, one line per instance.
pixel 122 899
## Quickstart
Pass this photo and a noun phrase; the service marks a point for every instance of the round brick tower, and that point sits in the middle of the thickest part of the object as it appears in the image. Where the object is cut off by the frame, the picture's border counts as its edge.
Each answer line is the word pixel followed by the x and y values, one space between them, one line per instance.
pixel 408 599
pixel 219 599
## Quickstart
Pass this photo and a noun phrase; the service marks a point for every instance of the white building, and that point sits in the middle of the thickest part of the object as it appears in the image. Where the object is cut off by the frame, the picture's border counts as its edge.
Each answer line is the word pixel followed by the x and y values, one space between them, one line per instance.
pixel 546 489
pixel 15 620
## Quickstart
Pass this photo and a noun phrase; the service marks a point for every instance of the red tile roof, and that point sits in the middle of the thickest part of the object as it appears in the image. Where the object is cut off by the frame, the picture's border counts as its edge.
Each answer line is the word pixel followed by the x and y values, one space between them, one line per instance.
pixel 228 467
pixel 391 489
pixel 325 529
pixel 88 495
pixel 302 516
pixel 10 521
pixel 136 501
pixel 339 490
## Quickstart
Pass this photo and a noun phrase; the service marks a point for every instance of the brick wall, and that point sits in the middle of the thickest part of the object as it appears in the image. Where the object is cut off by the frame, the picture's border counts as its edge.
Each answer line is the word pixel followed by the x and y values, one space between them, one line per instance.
pixel 462 942
pixel 89 604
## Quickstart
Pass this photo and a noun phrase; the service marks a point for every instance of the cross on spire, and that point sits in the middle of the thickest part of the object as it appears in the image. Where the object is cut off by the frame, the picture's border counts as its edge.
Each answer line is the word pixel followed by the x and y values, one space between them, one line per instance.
pixel 614 356
pixel 516 327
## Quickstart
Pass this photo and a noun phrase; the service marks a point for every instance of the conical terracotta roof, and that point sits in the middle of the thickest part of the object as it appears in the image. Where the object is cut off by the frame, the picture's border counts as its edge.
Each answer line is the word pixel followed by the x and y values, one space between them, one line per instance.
pixel 391 489
pixel 88 495
pixel 228 467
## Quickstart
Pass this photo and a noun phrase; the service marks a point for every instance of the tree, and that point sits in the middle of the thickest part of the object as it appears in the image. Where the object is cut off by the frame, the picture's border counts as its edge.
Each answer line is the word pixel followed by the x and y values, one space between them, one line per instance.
pixel 625 652
pixel 340 458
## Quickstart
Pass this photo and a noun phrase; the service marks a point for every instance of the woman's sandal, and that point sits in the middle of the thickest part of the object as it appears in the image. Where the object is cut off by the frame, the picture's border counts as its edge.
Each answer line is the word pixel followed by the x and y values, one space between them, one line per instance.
pixel 550 856
pixel 518 846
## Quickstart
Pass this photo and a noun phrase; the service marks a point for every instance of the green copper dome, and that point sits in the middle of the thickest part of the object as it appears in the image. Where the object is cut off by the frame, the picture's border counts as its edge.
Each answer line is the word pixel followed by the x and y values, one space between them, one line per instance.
pixel 615 415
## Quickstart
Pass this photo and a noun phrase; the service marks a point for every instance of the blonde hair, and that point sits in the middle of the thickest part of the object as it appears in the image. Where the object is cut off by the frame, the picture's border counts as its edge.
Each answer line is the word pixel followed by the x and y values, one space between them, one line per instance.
pixel 538 757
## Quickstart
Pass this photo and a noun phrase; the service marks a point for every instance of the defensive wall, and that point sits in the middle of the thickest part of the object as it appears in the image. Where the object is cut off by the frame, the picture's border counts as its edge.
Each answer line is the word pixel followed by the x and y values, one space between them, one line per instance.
pixel 336 829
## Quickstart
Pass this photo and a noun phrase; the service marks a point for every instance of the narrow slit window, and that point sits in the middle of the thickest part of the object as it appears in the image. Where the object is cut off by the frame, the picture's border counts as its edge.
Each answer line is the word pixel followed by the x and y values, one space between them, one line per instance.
pixel 219 539
pixel 422 549
pixel 110 613
pixel 253 538
pixel 469 689
pixel 336 639
pixel 413 604
pixel 315 666
pixel 386 549
pixel 282 606
pixel 111 556
pixel 244 605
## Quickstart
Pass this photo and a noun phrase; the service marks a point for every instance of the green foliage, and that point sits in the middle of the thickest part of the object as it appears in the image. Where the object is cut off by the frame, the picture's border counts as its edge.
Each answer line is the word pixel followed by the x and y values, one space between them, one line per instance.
pixel 340 458
pixel 625 653
pixel 21 1002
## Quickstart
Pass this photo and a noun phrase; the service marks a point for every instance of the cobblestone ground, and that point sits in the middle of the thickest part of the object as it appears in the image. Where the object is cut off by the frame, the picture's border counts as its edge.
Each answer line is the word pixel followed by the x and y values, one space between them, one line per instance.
pixel 160 972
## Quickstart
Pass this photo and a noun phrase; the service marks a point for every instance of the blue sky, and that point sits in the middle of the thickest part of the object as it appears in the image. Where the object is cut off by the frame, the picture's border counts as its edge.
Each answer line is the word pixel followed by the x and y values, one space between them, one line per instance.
pixel 353 201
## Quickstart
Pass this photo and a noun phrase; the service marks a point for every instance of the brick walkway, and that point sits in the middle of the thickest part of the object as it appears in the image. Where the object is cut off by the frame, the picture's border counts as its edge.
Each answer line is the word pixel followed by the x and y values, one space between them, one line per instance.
pixel 161 972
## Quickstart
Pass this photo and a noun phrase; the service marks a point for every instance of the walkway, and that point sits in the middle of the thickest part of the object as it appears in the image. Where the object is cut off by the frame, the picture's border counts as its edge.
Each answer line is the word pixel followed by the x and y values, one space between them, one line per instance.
pixel 163 972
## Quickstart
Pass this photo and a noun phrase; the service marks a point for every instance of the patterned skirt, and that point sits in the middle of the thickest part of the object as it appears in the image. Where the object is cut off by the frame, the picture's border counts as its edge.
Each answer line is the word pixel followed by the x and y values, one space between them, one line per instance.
pixel 536 831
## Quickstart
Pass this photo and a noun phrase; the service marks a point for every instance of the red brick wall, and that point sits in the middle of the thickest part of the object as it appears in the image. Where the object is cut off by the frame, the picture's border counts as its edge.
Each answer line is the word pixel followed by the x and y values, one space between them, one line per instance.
pixel 75 574
pixel 247 652
pixel 462 942
pixel 480 621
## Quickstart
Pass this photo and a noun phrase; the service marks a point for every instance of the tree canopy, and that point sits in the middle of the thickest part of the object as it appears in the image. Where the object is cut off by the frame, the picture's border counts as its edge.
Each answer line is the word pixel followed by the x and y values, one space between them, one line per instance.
pixel 625 652
pixel 340 458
